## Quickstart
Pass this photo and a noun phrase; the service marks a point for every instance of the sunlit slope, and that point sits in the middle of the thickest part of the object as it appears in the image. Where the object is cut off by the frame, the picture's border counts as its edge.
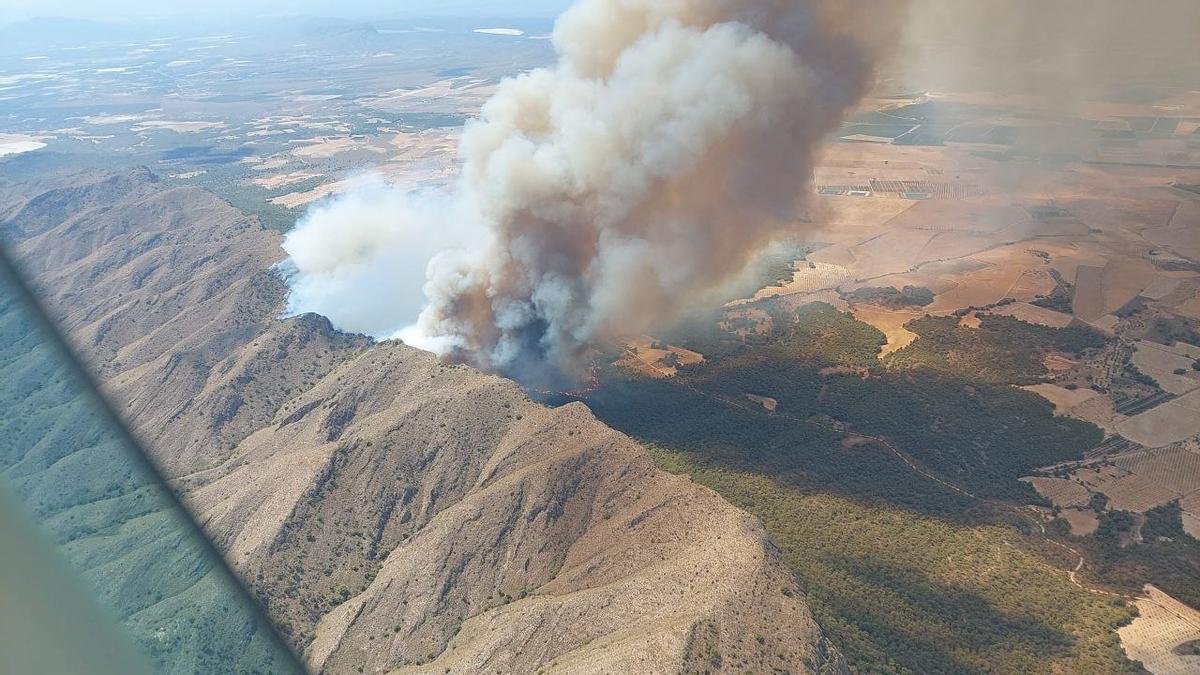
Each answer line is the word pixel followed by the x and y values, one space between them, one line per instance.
pixel 392 512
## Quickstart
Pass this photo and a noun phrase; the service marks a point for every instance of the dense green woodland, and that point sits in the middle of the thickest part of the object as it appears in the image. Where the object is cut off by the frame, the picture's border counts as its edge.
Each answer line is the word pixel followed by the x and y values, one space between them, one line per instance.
pixel 901 592
pixel 1167 556
pixel 891 486
pixel 86 490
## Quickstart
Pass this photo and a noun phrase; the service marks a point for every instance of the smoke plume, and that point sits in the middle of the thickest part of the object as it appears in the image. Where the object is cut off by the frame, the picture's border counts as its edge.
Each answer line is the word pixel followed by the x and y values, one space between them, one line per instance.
pixel 672 141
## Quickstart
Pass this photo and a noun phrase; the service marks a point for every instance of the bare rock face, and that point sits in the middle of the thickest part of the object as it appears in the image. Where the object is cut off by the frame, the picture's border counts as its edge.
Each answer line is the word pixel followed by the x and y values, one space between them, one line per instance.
pixel 477 530
pixel 395 513
pixel 169 293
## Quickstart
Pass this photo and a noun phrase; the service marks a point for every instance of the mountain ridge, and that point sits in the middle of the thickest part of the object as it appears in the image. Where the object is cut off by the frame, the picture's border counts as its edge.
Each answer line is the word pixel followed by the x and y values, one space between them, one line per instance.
pixel 391 511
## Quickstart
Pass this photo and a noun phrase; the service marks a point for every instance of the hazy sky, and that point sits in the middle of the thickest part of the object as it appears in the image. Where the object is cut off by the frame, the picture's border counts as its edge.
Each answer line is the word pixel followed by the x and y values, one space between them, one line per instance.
pixel 11 10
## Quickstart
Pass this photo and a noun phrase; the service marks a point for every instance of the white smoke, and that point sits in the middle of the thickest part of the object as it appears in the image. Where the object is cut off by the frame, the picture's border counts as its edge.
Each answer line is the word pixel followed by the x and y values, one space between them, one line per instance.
pixel 360 259
pixel 670 144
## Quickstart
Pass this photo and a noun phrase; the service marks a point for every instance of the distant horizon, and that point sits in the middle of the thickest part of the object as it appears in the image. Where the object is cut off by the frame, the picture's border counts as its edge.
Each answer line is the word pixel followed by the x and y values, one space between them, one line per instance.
pixel 138 11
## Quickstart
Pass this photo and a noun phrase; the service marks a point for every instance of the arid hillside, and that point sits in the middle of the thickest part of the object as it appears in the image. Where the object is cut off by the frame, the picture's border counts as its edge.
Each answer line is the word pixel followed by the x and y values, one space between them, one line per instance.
pixel 392 512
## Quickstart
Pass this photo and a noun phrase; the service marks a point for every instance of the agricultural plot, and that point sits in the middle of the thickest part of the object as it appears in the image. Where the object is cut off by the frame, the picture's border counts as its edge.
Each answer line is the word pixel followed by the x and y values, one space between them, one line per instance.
pixel 1064 492
pixel 848 222
pixel 981 216
pixel 276 181
pixel 655 359
pixel 1059 364
pixel 1104 290
pixel 1186 302
pixel 1162 634
pixel 890 253
pixel 1034 314
pixel 979 289
pixel 463 95
pixel 1191 513
pixel 939 277
pixel 1106 324
pixel 324 148
pixel 1125 490
pixel 1179 237
pixel 890 322
pixel 1164 365
pixel 907 189
pixel 807 277
pixel 957 244
pixel 885 132
pixel 745 321
pixel 1133 479
pixel 1081 521
pixel 1035 283
pixel 1067 258
pixel 1064 400
pixel 1164 424
pixel 294 200
pixel 1137 402
pixel 1099 411
pixel 1174 468
pixel 1111 447
pixel 1089 302
pixel 1161 287
pixel 793 302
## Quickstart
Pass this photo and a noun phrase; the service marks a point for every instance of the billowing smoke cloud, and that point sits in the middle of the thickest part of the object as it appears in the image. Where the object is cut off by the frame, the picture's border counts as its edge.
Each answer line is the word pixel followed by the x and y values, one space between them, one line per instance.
pixel 670 144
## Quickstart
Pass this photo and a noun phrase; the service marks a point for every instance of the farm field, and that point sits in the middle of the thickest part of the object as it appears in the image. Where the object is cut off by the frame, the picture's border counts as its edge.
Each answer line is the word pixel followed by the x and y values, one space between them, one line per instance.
pixel 1164 363
pixel 656 359
pixel 1164 635
pixel 1064 400
pixel 1063 492
pixel 1191 513
pixel 1034 314
pixel 807 277
pixel 1136 480
pixel 890 322
pixel 1075 282
pixel 1170 422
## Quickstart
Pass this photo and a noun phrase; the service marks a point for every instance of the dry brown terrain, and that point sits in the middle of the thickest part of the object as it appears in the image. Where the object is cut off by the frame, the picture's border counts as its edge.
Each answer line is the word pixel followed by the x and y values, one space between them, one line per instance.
pixel 1061 491
pixel 651 358
pixel 394 512
pixel 1034 314
pixel 1065 400
pixel 1161 635
pixel 1191 513
pixel 890 322
pixel 1171 422
pixel 767 402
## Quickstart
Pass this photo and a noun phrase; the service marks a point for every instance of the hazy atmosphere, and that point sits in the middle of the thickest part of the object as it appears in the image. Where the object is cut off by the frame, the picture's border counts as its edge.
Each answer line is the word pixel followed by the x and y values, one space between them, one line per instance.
pixel 142 10
pixel 603 336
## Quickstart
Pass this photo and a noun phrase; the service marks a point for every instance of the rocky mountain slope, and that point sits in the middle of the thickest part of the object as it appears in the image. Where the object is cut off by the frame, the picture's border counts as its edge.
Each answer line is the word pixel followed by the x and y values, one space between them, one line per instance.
pixel 394 513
